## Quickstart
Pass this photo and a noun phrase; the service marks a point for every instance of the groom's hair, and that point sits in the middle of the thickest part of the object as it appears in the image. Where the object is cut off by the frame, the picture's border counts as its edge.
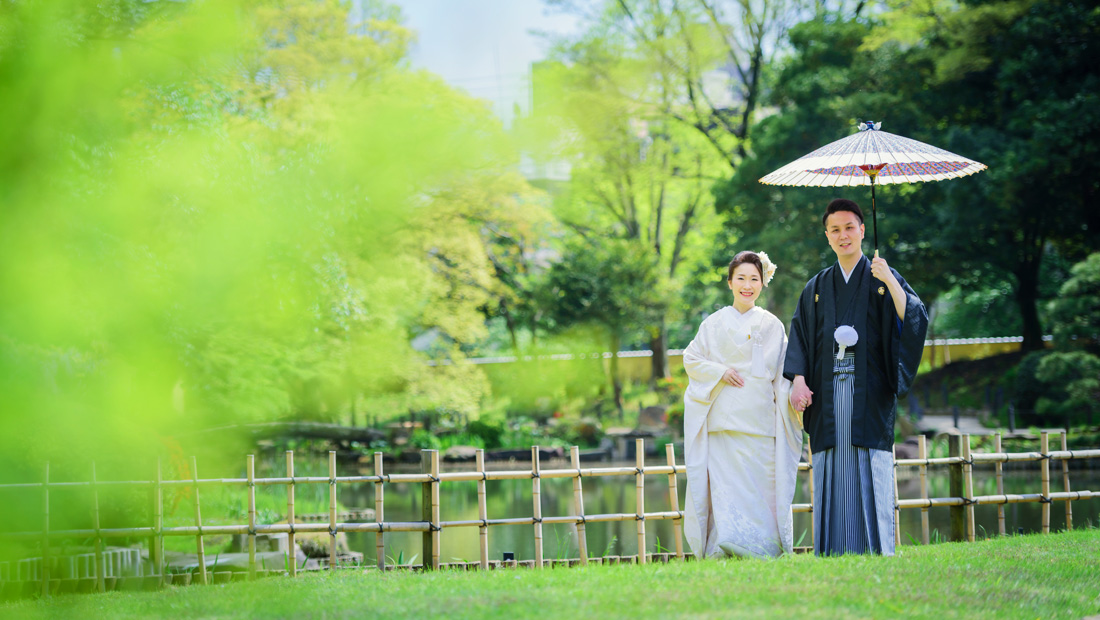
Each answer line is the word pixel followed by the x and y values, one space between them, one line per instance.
pixel 746 257
pixel 841 204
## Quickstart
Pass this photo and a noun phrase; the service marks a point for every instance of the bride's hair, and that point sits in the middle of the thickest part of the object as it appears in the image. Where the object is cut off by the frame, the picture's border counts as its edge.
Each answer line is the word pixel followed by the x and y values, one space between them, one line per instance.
pixel 746 257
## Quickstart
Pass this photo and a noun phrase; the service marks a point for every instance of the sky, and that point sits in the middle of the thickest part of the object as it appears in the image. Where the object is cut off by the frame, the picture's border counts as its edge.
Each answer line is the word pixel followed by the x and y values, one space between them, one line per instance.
pixel 484 47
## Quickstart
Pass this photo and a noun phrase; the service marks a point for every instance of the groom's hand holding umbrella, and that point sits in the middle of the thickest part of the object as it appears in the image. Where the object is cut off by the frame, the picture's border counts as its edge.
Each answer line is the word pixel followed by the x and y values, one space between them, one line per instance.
pixel 881 270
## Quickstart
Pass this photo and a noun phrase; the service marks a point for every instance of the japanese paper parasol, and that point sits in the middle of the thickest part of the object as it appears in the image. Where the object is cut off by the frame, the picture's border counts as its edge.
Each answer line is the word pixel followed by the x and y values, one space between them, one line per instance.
pixel 873 157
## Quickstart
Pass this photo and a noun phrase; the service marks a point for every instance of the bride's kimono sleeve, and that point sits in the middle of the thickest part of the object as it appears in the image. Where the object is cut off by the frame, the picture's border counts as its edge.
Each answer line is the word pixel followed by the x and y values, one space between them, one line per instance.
pixel 704 384
pixel 704 373
pixel 788 448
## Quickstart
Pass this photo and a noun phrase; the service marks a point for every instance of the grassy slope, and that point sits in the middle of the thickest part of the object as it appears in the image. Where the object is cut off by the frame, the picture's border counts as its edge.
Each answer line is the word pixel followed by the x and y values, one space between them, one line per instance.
pixel 1017 577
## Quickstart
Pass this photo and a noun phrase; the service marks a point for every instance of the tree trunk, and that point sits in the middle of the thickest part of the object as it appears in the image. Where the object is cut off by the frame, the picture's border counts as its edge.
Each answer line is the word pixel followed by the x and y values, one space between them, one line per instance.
pixel 510 323
pixel 616 381
pixel 659 362
pixel 1027 294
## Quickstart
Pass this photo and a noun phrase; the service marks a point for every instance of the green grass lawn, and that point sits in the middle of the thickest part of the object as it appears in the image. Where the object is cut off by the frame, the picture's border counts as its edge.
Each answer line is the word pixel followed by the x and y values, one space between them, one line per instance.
pixel 1054 576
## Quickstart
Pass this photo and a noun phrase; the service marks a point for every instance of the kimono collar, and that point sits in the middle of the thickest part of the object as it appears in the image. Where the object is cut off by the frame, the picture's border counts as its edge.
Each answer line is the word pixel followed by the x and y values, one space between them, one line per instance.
pixel 848 274
pixel 739 316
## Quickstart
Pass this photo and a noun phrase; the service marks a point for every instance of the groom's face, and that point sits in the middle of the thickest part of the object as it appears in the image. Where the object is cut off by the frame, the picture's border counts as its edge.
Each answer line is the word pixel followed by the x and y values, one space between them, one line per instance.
pixel 844 232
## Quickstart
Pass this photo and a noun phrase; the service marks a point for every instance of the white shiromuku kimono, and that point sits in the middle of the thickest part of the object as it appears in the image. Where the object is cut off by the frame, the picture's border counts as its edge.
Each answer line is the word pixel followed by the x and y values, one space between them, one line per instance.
pixel 741 444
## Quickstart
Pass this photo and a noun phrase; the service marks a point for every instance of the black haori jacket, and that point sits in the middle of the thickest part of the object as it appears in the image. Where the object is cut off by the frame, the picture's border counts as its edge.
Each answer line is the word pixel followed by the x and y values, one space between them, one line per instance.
pixel 886 357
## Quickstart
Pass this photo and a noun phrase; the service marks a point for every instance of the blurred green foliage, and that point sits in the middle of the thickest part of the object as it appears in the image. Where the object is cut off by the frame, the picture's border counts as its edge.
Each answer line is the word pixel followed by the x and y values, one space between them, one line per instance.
pixel 227 212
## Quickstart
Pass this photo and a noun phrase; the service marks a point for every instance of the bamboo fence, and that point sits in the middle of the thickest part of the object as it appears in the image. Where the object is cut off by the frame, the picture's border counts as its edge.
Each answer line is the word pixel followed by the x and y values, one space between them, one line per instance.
pixel 961 462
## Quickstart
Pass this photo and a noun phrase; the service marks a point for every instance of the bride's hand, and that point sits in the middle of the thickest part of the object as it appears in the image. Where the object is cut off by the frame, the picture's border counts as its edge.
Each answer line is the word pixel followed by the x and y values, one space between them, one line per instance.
pixel 731 377
pixel 801 396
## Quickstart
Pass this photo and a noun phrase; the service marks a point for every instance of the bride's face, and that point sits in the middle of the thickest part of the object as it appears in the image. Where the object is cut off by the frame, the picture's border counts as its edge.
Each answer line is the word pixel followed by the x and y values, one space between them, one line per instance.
pixel 746 284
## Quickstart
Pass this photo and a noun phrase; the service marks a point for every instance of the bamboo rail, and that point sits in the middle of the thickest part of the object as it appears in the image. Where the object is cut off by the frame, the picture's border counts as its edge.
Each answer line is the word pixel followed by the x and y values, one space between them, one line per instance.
pixel 431 524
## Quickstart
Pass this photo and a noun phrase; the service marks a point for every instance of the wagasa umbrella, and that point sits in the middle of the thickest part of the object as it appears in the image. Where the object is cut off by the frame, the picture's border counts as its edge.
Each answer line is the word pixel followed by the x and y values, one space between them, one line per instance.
pixel 873 157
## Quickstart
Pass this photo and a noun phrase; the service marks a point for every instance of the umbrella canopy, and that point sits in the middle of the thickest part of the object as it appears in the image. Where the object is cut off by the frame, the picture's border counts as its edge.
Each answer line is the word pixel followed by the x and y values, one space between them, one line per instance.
pixel 873 157
pixel 848 160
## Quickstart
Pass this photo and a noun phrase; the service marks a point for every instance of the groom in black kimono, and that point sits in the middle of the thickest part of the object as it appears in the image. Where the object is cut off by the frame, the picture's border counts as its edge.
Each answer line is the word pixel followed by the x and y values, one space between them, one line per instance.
pixel 856 341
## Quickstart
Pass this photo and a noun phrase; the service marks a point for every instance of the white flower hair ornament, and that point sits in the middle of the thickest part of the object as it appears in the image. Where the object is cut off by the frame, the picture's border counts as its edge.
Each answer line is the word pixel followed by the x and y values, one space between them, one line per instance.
pixel 769 267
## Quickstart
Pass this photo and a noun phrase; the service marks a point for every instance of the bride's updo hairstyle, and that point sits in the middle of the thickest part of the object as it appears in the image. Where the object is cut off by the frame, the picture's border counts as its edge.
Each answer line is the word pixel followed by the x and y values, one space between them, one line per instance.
pixel 746 257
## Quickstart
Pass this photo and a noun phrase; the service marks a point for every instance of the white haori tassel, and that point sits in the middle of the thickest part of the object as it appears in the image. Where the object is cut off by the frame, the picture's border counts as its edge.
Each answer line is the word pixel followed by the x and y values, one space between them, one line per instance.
pixel 846 336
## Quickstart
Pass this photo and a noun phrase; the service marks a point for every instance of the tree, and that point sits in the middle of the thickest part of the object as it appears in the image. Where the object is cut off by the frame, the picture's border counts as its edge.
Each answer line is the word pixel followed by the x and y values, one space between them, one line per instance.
pixel 954 76
pixel 819 93
pixel 1075 313
pixel 1070 376
pixel 619 99
pixel 1016 84
pixel 609 283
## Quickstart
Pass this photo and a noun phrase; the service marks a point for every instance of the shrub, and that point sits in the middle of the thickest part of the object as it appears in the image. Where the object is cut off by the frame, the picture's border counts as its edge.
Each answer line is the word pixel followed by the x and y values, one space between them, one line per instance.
pixel 489 431
pixel 584 432
pixel 1075 313
pixel 1072 386
pixel 1021 384
pixel 423 440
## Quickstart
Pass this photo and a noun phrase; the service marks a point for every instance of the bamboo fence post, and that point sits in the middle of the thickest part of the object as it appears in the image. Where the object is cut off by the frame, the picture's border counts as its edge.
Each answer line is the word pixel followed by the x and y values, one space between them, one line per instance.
pixel 578 504
pixel 639 493
pixel 379 514
pixel 536 500
pixel 158 524
pixel 1044 471
pixel 958 515
pixel 250 471
pixel 999 470
pixel 810 476
pixel 897 507
pixel 436 530
pixel 429 509
pixel 100 586
pixel 426 511
pixel 1065 484
pixel 198 522
pixel 291 551
pixel 674 499
pixel 332 561
pixel 968 472
pixel 46 532
pixel 922 453
pixel 482 511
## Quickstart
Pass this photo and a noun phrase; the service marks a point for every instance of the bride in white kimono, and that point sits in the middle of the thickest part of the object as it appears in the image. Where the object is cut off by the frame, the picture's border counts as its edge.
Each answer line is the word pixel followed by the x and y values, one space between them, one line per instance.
pixel 742 440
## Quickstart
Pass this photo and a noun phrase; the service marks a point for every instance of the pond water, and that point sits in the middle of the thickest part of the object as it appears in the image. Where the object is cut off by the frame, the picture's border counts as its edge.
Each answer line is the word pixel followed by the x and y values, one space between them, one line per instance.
pixel 616 494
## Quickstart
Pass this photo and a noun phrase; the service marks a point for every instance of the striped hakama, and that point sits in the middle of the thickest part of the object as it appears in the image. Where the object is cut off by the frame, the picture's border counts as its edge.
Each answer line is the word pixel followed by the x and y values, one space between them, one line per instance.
pixel 853 486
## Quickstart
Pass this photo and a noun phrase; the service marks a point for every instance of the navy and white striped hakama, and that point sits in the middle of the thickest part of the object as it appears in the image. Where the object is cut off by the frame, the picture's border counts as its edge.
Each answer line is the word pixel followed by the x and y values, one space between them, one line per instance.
pixel 853 486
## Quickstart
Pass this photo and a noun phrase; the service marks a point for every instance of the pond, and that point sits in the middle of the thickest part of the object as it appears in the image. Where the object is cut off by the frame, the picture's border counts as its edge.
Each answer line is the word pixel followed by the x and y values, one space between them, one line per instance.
pixel 616 494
